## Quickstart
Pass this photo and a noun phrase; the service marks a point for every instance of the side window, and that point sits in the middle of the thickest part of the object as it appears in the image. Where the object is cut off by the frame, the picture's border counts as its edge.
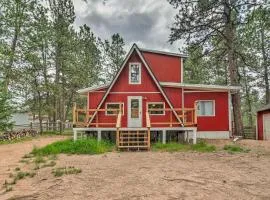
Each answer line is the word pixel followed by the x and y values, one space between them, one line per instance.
pixel 134 73
pixel 206 108
pixel 114 108
pixel 156 108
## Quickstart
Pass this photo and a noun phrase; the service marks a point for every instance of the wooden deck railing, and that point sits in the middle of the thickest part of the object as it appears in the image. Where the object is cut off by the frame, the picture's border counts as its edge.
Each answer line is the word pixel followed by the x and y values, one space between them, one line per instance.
pixel 82 117
pixel 188 116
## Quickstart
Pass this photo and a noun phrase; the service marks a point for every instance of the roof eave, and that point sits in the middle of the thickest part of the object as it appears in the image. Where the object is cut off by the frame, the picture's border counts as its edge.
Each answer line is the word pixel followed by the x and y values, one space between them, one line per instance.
pixel 201 86
pixel 164 53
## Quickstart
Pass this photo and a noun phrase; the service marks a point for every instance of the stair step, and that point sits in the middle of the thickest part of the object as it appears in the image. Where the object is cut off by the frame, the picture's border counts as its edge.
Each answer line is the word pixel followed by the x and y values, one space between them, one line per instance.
pixel 132 147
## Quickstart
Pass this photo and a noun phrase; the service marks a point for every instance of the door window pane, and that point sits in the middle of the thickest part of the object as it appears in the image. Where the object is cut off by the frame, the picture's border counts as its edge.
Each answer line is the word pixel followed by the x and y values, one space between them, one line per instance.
pixel 134 108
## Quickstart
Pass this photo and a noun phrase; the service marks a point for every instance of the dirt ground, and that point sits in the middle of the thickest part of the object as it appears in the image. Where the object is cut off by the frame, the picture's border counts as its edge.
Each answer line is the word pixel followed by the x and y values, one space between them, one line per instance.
pixel 148 175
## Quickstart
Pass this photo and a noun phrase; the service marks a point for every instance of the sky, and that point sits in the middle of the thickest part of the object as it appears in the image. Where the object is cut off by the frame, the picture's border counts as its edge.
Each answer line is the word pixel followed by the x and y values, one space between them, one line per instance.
pixel 144 22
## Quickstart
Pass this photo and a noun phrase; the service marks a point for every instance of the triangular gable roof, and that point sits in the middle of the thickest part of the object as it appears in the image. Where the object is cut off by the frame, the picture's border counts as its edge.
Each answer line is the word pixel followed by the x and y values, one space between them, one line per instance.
pixel 135 48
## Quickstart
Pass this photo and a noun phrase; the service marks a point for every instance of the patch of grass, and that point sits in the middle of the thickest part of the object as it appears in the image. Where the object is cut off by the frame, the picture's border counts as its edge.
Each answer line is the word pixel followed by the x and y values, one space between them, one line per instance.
pixel 65 171
pixel 23 139
pixel 28 156
pixel 50 164
pixel 235 149
pixel 8 188
pixel 203 147
pixel 173 146
pixel 17 169
pixel 52 157
pixel 169 147
pixel 24 161
pixel 39 159
pixel 84 146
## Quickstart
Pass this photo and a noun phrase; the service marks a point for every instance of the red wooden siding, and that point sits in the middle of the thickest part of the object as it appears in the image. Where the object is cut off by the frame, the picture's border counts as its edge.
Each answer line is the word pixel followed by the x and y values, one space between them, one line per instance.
pixel 260 123
pixel 95 97
pixel 122 89
pixel 174 95
pixel 166 68
pixel 219 122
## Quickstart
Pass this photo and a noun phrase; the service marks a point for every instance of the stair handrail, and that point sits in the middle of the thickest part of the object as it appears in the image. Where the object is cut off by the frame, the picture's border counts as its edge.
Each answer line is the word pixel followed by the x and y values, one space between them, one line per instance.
pixel 148 122
pixel 118 121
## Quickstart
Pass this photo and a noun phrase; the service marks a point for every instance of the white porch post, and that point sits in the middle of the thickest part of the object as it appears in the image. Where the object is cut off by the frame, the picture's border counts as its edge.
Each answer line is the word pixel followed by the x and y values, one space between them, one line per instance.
pixel 194 136
pixel 99 135
pixel 74 135
pixel 163 136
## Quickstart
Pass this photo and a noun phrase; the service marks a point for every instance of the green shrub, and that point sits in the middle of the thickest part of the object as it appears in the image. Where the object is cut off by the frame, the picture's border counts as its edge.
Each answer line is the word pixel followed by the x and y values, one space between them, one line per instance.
pixel 85 146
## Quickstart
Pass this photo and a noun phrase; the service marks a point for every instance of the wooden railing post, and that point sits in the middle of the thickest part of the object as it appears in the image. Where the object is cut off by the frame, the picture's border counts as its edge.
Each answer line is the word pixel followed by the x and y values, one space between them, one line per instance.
pixel 74 113
pixel 148 125
pixel 118 125
pixel 195 114
pixel 97 120
pixel 171 118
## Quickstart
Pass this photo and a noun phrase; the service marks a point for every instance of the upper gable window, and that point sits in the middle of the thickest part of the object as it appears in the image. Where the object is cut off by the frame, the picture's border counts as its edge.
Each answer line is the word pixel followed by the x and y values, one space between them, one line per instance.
pixel 134 73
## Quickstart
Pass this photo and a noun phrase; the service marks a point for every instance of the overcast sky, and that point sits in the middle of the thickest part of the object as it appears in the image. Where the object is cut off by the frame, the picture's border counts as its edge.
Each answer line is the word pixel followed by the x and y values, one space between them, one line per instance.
pixel 145 22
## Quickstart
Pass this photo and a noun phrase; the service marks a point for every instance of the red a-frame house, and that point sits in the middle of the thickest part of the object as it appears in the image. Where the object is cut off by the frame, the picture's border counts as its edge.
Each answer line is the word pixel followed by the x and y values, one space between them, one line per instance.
pixel 148 95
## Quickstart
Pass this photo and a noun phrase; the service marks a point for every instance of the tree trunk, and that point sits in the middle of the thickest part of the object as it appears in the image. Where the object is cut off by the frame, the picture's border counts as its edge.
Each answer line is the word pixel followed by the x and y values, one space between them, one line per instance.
pixel 265 67
pixel 230 30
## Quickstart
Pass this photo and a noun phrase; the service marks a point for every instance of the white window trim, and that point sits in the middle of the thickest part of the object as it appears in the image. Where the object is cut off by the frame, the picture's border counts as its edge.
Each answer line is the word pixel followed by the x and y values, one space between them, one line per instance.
pixel 156 103
pixel 140 73
pixel 214 109
pixel 107 114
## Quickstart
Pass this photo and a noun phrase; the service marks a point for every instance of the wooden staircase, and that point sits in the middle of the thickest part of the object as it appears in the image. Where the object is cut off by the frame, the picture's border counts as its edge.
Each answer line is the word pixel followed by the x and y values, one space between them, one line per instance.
pixel 134 140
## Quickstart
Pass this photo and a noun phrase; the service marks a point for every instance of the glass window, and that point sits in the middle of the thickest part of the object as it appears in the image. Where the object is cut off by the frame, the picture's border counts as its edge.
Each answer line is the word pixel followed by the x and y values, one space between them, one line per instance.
pixel 134 108
pixel 115 108
pixel 205 108
pixel 156 108
pixel 135 73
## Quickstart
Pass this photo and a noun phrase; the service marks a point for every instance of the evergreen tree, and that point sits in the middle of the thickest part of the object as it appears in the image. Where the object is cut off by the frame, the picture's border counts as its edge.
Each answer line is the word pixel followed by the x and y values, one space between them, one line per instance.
pixel 114 55
pixel 202 22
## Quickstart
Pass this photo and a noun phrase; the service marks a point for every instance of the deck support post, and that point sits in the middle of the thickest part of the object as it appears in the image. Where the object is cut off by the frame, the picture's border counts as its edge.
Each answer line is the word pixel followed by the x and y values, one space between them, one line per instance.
pixel 186 136
pixel 194 136
pixel 74 135
pixel 163 136
pixel 99 135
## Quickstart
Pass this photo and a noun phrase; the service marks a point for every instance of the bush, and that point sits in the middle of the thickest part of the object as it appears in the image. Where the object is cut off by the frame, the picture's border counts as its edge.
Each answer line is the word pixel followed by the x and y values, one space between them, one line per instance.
pixel 85 146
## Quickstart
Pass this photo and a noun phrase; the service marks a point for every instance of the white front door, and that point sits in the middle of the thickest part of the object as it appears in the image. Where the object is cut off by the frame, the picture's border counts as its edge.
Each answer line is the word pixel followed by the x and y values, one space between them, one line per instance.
pixel 134 111
pixel 266 126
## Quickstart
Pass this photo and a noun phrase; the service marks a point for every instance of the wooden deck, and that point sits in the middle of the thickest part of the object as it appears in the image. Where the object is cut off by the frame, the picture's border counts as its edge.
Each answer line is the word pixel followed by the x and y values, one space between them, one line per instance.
pixel 138 138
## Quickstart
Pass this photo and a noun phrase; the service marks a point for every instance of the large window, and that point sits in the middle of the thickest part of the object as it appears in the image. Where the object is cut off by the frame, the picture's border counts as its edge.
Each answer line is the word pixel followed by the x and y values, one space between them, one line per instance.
pixel 114 108
pixel 206 108
pixel 156 108
pixel 134 73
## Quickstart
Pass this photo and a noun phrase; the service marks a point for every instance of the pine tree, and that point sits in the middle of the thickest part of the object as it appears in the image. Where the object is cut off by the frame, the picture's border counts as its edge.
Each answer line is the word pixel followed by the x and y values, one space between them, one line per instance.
pixel 202 22
pixel 114 55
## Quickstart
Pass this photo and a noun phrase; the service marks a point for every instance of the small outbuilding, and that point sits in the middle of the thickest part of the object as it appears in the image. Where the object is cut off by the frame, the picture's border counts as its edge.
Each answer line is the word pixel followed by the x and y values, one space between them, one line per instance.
pixel 263 123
